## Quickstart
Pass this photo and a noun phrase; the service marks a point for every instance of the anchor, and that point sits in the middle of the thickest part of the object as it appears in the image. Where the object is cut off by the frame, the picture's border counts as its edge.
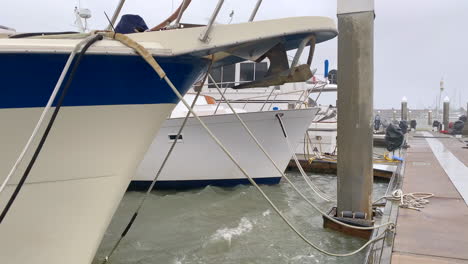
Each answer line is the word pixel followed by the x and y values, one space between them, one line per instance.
pixel 279 71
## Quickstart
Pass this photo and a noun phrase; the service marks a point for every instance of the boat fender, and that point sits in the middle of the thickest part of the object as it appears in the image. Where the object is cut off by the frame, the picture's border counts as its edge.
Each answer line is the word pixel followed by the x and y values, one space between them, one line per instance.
pixel 359 215
pixel 347 214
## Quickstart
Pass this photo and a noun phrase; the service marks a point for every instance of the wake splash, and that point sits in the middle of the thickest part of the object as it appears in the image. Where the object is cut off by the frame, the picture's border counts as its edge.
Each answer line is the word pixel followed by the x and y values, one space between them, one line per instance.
pixel 244 226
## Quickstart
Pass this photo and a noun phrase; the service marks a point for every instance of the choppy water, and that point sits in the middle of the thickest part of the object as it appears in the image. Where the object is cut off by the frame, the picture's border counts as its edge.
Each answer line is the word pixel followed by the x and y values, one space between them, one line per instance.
pixel 228 225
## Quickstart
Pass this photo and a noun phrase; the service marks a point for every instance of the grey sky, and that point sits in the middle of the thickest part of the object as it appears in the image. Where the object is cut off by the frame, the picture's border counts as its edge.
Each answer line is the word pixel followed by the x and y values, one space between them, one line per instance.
pixel 416 41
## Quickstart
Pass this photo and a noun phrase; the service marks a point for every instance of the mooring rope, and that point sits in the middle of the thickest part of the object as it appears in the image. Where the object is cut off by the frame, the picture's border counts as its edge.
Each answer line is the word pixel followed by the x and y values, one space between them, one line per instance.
pixel 151 61
pixel 259 145
pixel 44 112
pixel 413 200
pixel 316 190
pixel 163 164
pixel 45 135
pixel 258 187
pixel 311 185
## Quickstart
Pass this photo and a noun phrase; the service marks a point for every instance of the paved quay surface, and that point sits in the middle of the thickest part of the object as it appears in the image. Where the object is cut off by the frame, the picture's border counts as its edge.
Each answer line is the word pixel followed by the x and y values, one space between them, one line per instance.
pixel 439 232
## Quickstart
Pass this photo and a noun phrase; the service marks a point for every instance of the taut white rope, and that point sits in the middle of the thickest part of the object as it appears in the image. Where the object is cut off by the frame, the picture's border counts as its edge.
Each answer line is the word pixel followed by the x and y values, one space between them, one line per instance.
pixel 286 178
pixel 157 68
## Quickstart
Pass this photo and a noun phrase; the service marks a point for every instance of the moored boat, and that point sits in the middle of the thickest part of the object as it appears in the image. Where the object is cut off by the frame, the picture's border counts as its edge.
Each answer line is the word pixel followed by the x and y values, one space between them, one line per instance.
pixel 197 161
pixel 115 106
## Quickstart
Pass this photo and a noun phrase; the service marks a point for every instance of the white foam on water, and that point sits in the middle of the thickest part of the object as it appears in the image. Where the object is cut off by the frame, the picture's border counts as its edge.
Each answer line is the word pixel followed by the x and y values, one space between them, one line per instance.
pixel 179 261
pixel 300 257
pixel 227 234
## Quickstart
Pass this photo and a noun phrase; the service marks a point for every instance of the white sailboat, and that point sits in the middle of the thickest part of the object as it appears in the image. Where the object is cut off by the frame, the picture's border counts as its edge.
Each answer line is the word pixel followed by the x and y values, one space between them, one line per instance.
pixel 115 107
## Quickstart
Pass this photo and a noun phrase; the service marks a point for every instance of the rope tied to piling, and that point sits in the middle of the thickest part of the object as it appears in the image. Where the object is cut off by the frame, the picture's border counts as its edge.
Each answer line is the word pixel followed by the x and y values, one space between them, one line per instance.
pixel 148 57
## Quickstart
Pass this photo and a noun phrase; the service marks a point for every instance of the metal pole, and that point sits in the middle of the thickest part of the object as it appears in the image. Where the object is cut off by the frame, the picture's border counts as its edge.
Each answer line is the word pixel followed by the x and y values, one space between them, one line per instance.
pixel 115 15
pixel 254 12
pixel 219 103
pixel 355 105
pixel 179 16
pixel 446 112
pixel 266 100
pixel 204 35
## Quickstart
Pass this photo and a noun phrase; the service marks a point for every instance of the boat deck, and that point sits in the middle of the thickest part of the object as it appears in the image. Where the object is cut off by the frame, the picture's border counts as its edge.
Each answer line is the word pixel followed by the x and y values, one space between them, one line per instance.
pixel 439 232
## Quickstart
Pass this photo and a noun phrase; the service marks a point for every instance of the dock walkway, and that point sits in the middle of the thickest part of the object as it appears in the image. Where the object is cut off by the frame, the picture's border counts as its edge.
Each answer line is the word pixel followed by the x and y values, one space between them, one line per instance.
pixel 439 232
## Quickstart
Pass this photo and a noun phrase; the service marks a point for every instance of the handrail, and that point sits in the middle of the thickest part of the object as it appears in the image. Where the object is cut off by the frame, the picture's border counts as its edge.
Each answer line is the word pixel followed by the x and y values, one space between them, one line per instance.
pixel 304 95
pixel 312 90
pixel 204 36
pixel 115 15
pixel 266 100
pixel 254 12
pixel 179 16
pixel 176 15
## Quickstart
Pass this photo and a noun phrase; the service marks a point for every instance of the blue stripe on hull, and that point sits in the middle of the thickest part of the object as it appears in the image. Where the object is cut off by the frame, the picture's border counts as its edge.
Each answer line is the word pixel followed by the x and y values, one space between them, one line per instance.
pixel 28 79
pixel 184 185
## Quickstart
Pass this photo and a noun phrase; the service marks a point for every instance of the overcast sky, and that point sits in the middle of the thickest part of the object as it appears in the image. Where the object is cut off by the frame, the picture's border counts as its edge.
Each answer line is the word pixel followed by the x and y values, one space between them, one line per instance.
pixel 417 42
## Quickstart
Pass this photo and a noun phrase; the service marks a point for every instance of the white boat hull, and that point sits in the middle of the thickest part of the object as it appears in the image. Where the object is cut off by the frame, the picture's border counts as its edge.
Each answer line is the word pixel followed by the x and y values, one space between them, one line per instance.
pixel 197 161
pixel 66 204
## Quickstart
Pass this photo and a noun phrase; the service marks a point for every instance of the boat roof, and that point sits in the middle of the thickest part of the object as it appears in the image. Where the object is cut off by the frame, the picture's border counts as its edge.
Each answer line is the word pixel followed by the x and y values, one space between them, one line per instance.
pixel 231 42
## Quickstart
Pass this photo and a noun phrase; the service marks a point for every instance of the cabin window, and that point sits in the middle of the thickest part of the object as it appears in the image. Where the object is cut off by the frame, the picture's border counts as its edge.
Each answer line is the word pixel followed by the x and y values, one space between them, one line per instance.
pixel 260 70
pixel 172 137
pixel 247 72
pixel 229 75
pixel 226 76
pixel 223 76
pixel 250 71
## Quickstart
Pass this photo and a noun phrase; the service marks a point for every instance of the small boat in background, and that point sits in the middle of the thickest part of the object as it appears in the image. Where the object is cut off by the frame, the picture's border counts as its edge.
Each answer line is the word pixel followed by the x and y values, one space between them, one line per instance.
pixel 197 160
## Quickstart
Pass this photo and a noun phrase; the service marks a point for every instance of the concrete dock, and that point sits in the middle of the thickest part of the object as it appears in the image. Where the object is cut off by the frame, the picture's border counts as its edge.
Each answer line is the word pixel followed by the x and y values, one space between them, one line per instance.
pixel 439 232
